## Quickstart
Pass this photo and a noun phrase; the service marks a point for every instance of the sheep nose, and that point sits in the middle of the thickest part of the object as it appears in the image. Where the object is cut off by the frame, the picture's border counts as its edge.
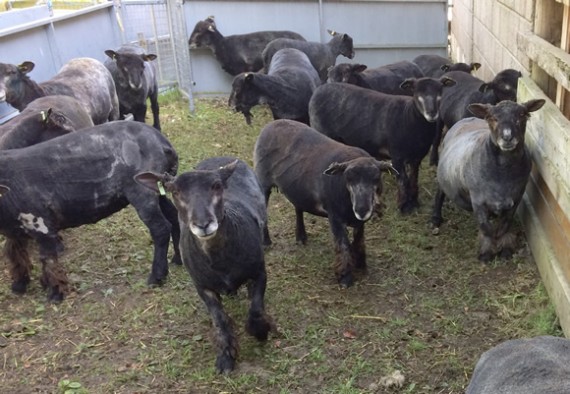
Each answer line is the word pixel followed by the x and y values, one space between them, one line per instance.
pixel 507 135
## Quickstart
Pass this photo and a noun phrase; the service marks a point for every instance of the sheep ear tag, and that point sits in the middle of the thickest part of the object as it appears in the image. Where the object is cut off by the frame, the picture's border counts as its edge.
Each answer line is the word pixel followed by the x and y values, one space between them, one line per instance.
pixel 161 188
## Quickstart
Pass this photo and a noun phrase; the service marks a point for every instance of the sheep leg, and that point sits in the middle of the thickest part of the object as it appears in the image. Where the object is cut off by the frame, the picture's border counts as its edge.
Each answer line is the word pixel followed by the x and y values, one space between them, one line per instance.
pixel 434 154
pixel 257 324
pixel 344 263
pixel 154 108
pixel 169 211
pixel 506 240
pixel 413 188
pixel 225 337
pixel 139 113
pixel 300 233
pixel 266 237
pixel 149 211
pixel 487 249
pixel 53 276
pixel 436 218
pixel 403 186
pixel 359 247
pixel 19 263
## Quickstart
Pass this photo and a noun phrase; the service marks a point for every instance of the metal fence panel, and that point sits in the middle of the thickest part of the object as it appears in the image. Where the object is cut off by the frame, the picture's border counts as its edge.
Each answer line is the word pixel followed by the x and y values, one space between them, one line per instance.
pixel 384 31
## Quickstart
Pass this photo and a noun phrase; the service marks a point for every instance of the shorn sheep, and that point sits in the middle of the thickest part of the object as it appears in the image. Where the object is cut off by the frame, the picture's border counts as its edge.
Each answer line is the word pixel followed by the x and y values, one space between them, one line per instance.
pixel 484 167
pixel 222 213
pixel 325 178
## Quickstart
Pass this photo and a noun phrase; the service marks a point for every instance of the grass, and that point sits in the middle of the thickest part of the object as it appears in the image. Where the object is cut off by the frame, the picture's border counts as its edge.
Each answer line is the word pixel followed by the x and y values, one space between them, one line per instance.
pixel 426 307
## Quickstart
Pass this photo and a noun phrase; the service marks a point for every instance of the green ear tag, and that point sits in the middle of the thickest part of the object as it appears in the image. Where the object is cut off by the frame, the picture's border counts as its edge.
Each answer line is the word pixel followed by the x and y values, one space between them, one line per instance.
pixel 161 188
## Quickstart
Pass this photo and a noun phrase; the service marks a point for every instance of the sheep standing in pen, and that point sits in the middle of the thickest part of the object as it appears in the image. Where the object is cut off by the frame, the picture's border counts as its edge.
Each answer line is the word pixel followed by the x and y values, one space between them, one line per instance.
pixel 325 178
pixel 222 213
pixel 238 53
pixel 322 56
pixel 484 167
pixel 539 365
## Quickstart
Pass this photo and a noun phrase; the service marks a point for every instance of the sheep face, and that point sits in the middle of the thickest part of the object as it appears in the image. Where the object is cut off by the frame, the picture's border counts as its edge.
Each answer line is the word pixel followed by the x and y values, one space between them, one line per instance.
pixel 10 76
pixel 244 95
pixel 427 94
pixel 363 179
pixel 202 35
pixel 131 67
pixel 199 198
pixel 345 72
pixel 507 121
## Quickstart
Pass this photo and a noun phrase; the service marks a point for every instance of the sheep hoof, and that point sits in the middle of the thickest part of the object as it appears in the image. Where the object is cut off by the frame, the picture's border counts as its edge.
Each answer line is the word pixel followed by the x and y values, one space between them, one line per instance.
pixel 408 207
pixel 56 296
pixel 435 231
pixel 176 260
pixel 155 282
pixel 20 286
pixel 486 257
pixel 346 281
pixel 258 327
pixel 506 254
pixel 225 364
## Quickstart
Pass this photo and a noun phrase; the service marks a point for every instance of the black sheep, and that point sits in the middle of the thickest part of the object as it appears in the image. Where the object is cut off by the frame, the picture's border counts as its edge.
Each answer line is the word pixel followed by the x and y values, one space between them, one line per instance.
pixel 222 213
pixel 322 56
pixel 77 179
pixel 43 119
pixel 435 66
pixel 237 53
pixel 386 126
pixel 135 80
pixel 85 79
pixel 469 90
pixel 286 88
pixel 325 178
pixel 385 79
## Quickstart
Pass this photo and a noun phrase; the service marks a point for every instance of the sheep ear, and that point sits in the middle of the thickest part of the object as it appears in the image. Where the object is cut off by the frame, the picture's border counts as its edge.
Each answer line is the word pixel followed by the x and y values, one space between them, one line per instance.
pixel 4 190
pixel 475 66
pixel 479 110
pixel 56 119
pixel 248 77
pixel 331 32
pixel 155 181
pixel 335 168
pixel 386 166
pixel 485 87
pixel 359 68
pixel 533 105
pixel 26 67
pixel 227 170
pixel 212 28
pixel 445 67
pixel 447 82
pixel 408 84
pixel 149 57
pixel 112 54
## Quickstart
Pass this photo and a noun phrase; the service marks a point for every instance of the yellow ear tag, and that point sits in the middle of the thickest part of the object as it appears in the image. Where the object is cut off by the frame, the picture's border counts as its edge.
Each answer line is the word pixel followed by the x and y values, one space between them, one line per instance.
pixel 44 116
pixel 161 188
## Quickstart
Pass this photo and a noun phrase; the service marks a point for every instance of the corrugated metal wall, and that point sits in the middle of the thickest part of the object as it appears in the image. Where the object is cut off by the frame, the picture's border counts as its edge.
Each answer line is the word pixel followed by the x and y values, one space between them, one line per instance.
pixel 383 31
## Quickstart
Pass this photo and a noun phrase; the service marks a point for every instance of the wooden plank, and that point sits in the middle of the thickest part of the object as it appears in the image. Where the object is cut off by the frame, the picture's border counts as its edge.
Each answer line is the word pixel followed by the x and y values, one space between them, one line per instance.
pixel 555 224
pixel 565 2
pixel 549 267
pixel 562 100
pixel 551 59
pixel 548 138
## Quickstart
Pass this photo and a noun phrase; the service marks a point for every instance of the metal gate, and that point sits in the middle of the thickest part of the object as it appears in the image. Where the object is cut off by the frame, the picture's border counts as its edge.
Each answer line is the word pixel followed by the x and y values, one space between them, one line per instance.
pixel 159 26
